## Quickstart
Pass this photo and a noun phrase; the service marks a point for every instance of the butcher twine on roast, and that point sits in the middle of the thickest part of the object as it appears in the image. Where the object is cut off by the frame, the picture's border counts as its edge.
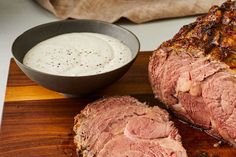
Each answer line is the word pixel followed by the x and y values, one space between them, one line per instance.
pixel 194 73
pixel 123 126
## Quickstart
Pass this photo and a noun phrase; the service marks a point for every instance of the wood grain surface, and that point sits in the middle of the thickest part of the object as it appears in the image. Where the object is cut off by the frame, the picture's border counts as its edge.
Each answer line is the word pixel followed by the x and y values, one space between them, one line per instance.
pixel 38 122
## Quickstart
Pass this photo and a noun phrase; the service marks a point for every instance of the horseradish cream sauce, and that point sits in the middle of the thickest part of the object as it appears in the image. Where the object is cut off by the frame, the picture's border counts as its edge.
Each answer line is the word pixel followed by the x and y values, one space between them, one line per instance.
pixel 78 54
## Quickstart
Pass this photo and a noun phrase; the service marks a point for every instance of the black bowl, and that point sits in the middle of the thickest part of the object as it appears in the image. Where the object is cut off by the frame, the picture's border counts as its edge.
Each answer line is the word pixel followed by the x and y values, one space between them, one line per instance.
pixel 76 85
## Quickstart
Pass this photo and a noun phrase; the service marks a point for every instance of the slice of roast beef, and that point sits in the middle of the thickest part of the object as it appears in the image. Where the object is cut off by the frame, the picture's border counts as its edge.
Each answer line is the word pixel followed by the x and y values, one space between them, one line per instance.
pixel 194 73
pixel 124 127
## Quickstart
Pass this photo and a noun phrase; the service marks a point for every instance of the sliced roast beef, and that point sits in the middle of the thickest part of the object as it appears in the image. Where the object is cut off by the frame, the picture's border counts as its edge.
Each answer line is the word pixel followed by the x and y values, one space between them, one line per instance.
pixel 124 127
pixel 194 73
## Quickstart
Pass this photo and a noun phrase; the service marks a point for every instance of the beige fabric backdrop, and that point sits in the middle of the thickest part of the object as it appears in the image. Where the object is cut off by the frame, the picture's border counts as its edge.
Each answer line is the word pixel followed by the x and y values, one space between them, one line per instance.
pixel 137 11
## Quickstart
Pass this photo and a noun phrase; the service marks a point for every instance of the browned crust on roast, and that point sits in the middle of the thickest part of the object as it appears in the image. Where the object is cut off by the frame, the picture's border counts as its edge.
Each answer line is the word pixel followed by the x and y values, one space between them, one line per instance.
pixel 212 35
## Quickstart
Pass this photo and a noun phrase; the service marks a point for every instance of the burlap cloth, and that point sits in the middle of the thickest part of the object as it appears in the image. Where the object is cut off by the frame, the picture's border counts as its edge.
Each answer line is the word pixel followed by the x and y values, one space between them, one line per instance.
pixel 138 11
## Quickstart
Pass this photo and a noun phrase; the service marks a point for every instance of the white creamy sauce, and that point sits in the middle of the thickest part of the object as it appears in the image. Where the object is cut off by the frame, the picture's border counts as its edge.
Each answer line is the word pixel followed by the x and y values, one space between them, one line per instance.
pixel 78 54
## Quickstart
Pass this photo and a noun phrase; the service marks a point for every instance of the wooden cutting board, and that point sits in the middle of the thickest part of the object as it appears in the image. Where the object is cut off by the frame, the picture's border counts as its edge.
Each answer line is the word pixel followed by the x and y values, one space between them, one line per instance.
pixel 38 122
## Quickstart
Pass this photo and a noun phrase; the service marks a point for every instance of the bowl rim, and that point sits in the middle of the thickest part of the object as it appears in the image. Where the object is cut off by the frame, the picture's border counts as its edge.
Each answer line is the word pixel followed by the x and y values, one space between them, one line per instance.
pixel 76 20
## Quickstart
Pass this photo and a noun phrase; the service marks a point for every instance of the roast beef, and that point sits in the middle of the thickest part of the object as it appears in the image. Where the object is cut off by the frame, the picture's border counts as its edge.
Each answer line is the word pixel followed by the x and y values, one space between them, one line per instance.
pixel 194 73
pixel 124 127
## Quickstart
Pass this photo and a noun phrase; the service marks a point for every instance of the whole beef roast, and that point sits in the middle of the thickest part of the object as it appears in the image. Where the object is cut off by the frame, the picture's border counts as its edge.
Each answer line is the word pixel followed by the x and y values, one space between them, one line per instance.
pixel 124 127
pixel 194 73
